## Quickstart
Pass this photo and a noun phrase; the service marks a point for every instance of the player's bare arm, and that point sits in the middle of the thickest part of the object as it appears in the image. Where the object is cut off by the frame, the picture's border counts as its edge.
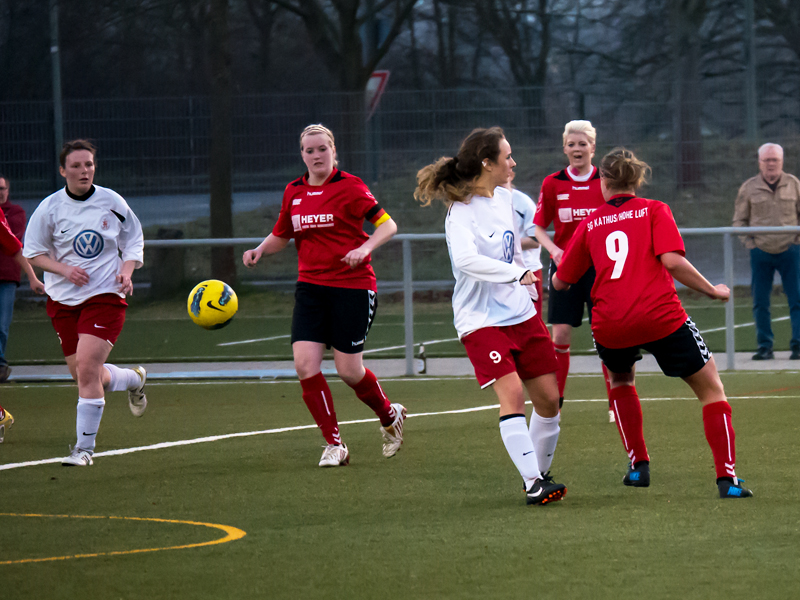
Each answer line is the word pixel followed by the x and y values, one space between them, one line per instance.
pixel 124 277
pixel 75 275
pixel 271 244
pixel 382 234
pixel 529 243
pixel 36 285
pixel 558 284
pixel 528 278
pixel 684 272
pixel 547 243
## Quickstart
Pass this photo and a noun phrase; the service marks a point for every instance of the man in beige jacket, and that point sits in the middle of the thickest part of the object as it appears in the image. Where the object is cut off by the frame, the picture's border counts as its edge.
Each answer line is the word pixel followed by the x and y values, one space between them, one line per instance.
pixel 771 199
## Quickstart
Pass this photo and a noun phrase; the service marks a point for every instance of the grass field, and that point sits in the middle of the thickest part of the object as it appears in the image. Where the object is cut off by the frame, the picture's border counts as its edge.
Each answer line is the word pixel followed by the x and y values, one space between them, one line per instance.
pixel 161 331
pixel 445 518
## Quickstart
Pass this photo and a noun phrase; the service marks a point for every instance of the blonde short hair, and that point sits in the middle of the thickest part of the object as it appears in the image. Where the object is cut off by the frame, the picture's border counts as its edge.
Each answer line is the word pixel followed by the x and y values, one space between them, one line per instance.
pixel 584 127
pixel 320 128
pixel 315 129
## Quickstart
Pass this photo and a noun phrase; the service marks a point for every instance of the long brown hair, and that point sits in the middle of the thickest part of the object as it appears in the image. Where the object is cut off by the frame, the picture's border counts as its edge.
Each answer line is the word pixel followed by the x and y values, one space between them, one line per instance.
pixel 453 179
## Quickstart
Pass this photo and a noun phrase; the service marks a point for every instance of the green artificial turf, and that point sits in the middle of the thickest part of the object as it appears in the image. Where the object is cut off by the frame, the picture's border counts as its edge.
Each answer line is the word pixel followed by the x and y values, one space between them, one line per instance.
pixel 445 518
pixel 162 331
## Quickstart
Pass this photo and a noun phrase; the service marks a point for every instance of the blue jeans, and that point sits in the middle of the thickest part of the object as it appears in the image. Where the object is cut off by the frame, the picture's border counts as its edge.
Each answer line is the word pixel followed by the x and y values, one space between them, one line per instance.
pixel 8 289
pixel 763 266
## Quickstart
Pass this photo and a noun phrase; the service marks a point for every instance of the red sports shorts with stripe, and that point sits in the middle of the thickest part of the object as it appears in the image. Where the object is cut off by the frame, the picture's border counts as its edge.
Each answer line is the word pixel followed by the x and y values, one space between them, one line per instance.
pixel 524 348
pixel 101 316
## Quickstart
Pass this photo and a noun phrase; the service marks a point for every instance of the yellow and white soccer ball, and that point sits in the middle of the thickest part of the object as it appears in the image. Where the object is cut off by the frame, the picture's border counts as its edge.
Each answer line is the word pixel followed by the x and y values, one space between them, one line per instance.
pixel 212 304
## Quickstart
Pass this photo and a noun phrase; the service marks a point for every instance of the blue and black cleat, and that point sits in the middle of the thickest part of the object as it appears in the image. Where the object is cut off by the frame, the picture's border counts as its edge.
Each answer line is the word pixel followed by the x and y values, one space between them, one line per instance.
pixel 638 476
pixel 728 489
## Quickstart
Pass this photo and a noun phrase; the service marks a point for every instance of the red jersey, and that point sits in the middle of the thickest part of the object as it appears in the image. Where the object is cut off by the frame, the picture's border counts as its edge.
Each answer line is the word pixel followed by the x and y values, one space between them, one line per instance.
pixel 566 202
pixel 327 222
pixel 9 244
pixel 633 294
pixel 15 216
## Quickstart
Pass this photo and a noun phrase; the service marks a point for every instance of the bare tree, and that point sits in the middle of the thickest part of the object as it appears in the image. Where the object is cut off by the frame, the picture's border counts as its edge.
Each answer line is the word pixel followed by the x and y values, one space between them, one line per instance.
pixel 223 264
pixel 686 19
pixel 522 30
pixel 335 28
pixel 784 20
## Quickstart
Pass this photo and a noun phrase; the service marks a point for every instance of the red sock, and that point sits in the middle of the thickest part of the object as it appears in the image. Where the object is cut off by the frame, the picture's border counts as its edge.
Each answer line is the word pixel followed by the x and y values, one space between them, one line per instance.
pixel 318 399
pixel 562 356
pixel 721 437
pixel 628 412
pixel 369 391
pixel 607 379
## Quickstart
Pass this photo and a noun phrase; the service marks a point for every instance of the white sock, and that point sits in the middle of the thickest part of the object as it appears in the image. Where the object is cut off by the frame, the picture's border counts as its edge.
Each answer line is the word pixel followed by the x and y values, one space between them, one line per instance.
pixel 514 431
pixel 90 411
pixel 122 379
pixel 544 435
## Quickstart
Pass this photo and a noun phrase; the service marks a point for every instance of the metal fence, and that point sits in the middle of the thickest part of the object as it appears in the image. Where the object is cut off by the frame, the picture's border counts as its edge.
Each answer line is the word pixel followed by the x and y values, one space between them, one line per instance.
pixel 157 148
pixel 723 261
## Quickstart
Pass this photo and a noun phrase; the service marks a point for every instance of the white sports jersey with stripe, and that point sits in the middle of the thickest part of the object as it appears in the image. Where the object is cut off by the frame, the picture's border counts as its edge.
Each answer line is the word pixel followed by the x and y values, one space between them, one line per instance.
pixel 524 210
pixel 89 234
pixel 486 257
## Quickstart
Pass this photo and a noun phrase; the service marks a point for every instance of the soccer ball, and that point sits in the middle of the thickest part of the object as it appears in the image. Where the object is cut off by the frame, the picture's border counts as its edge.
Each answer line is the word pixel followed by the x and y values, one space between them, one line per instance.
pixel 212 304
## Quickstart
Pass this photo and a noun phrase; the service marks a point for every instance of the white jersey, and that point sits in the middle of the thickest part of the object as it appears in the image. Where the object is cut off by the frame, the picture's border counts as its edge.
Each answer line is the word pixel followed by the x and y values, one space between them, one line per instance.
pixel 486 258
pixel 524 209
pixel 90 234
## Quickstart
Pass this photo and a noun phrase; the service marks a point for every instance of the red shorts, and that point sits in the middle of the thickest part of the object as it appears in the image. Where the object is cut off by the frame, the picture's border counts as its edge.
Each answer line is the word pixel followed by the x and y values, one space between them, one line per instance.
pixel 525 348
pixel 101 316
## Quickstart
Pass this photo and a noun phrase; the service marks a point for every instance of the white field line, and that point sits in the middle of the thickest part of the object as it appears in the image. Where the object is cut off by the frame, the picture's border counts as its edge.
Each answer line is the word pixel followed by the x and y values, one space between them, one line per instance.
pixel 217 438
pixel 750 324
pixel 418 379
pixel 253 341
pixel 428 343
pixel 742 325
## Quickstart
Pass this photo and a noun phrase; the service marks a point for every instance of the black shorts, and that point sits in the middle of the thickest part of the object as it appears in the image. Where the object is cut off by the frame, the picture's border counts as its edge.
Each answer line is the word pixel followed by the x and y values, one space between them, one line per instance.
pixel 680 354
pixel 337 317
pixel 566 307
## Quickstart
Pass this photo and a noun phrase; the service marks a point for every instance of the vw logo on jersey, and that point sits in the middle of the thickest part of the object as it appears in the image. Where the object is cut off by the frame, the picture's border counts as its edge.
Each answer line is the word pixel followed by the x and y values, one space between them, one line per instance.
pixel 88 244
pixel 508 246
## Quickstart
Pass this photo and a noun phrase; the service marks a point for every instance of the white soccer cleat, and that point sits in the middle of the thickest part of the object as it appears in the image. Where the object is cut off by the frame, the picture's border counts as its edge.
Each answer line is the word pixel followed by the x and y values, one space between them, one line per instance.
pixel 335 456
pixel 78 458
pixel 393 434
pixel 6 420
pixel 137 401
pixel 611 418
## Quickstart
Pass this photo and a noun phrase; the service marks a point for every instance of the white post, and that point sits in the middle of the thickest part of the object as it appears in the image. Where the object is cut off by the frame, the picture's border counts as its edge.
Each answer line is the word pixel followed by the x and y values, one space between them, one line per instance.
pixel 408 305
pixel 730 344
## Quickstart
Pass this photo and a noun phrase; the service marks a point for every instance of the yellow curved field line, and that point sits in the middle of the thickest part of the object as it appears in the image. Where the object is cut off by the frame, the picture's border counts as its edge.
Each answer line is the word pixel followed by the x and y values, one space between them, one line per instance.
pixel 231 534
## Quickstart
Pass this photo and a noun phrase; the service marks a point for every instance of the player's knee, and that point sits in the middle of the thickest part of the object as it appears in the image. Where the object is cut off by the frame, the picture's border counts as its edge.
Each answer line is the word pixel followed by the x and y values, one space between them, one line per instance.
pixel 88 372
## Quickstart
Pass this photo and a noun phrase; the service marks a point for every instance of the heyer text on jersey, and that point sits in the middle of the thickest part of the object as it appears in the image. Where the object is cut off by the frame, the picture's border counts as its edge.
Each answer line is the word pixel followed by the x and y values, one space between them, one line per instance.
pixel 301 222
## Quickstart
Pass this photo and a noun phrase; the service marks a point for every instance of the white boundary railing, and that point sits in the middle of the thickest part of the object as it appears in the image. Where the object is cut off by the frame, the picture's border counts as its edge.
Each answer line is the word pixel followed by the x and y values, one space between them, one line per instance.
pixel 406 239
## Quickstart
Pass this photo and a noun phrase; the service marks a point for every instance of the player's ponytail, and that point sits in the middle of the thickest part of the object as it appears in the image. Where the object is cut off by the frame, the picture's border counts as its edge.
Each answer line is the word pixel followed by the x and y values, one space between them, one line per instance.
pixel 453 179
pixel 622 171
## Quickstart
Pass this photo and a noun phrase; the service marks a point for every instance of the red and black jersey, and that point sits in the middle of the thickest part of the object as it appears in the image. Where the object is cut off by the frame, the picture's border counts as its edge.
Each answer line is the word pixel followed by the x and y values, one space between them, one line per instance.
pixel 634 296
pixel 9 244
pixel 327 222
pixel 15 215
pixel 566 202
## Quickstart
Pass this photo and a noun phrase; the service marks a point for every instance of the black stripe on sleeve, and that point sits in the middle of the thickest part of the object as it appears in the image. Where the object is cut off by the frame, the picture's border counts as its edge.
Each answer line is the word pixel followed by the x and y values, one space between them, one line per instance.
pixel 373 211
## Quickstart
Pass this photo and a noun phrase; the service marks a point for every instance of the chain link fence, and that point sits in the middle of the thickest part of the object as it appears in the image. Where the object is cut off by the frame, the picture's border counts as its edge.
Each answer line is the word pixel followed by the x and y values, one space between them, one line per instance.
pixel 154 152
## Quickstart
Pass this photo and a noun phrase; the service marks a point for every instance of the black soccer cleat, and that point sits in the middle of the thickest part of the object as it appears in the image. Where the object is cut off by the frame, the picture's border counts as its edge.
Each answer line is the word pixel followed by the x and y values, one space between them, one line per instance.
pixel 545 490
pixel 638 476
pixel 727 489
